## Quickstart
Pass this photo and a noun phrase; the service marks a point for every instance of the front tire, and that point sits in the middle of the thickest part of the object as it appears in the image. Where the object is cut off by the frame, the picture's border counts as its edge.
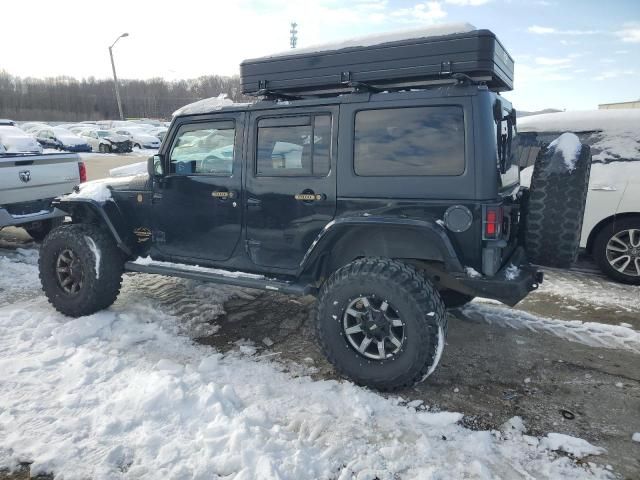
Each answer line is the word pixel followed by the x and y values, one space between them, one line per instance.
pixel 381 323
pixel 616 250
pixel 80 269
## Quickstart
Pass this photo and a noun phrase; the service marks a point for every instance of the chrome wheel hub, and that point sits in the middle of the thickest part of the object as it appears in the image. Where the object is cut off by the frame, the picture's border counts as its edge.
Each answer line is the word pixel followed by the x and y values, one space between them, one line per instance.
pixel 373 327
pixel 623 252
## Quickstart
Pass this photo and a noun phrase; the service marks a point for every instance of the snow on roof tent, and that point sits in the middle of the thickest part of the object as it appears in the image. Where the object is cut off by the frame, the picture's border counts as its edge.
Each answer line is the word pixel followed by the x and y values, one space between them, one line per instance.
pixel 437 55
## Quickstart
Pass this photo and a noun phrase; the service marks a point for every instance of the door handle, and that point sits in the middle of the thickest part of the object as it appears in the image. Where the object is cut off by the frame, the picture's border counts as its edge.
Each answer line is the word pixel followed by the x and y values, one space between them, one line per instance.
pixel 309 197
pixel 223 194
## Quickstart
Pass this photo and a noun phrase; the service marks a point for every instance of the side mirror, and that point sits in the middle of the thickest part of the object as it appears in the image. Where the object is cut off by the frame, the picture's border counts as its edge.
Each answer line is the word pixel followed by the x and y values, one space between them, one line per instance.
pixel 154 166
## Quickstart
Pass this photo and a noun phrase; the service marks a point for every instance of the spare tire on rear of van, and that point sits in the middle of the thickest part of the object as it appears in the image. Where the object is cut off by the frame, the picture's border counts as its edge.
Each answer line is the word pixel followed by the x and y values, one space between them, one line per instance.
pixel 556 201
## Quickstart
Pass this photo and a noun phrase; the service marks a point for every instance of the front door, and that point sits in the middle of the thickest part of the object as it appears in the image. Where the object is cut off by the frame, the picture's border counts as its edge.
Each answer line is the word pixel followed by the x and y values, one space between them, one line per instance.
pixel 197 214
pixel 290 183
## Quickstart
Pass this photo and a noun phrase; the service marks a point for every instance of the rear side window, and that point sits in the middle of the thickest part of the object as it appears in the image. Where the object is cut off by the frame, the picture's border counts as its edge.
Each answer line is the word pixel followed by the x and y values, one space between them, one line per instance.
pixel 294 146
pixel 413 141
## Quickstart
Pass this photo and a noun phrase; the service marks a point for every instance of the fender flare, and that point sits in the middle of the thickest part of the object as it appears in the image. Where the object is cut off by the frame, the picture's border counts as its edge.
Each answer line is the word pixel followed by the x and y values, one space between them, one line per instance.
pixel 113 220
pixel 430 231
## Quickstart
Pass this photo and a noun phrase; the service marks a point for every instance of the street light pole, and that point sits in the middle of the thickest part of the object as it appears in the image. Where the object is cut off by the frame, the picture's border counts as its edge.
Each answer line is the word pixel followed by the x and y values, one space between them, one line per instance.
pixel 115 77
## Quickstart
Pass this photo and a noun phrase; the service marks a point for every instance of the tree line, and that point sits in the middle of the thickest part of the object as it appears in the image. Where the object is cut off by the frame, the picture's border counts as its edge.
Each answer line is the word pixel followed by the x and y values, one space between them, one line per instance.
pixel 70 99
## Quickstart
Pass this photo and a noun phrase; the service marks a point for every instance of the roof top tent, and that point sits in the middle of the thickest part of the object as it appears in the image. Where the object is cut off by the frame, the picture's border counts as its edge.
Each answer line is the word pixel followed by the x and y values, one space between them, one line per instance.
pixel 415 58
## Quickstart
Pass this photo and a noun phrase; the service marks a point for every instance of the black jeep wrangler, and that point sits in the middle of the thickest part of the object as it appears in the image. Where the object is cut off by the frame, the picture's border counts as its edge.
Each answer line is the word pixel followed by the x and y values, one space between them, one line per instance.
pixel 389 202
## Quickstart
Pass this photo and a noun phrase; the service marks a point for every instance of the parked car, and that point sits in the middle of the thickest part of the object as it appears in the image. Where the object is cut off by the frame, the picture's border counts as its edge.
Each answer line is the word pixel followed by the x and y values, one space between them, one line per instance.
pixel 79 130
pixel 28 184
pixel 31 127
pixel 388 204
pixel 105 141
pixel 15 140
pixel 139 137
pixel 61 139
pixel 611 224
pixel 159 132
pixel 7 122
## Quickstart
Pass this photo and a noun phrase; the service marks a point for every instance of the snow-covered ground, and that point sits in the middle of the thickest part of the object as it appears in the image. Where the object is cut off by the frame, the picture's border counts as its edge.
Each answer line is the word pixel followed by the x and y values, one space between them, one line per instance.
pixel 127 393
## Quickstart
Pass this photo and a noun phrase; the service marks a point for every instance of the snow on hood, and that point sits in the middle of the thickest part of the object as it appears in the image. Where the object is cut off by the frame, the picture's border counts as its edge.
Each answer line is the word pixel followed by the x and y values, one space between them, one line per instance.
pixel 616 132
pixel 378 39
pixel 97 190
pixel 139 168
pixel 20 143
pixel 70 139
pixel 207 105
pixel 116 138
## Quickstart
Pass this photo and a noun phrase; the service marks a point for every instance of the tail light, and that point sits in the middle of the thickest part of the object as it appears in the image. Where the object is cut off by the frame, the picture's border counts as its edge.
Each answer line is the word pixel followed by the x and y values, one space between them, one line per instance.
pixel 82 170
pixel 492 223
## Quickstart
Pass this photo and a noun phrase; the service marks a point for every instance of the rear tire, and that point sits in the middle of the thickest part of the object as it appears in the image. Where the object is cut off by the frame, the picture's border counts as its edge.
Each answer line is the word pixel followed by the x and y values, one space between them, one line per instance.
pixel 102 148
pixel 607 245
pixel 75 279
pixel 411 327
pixel 555 208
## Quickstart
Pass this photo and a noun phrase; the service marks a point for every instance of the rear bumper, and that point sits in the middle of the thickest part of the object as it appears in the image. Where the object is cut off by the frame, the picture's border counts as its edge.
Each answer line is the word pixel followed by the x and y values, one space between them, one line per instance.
pixel 8 220
pixel 510 284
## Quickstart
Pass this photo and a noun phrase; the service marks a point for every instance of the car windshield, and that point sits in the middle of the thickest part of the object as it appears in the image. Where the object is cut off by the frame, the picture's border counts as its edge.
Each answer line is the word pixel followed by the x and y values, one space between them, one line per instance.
pixel 103 133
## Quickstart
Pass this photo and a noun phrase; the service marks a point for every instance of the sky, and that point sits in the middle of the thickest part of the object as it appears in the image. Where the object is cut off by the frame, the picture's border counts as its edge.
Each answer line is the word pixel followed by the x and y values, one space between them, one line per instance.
pixel 569 54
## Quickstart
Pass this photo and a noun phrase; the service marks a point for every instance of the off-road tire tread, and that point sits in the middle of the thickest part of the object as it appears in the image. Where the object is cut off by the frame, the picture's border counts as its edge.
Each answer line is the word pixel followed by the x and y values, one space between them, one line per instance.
pixel 103 291
pixel 555 210
pixel 416 287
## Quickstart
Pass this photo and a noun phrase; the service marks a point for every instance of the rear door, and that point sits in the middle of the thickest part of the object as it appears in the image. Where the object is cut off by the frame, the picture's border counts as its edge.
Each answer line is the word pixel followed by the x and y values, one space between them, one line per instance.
pixel 290 183
pixel 195 208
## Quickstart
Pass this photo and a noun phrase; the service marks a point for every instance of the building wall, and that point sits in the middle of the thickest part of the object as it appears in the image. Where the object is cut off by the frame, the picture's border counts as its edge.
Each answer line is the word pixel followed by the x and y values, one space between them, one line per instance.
pixel 607 106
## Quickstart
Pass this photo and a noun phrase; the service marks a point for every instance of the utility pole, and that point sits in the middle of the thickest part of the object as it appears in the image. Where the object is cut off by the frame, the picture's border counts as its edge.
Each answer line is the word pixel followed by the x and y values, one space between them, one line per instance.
pixel 115 77
pixel 293 40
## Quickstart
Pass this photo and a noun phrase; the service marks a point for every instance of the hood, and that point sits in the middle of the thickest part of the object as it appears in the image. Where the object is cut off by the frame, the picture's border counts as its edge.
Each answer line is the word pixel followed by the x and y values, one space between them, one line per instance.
pixel 20 144
pixel 71 140
pixel 115 138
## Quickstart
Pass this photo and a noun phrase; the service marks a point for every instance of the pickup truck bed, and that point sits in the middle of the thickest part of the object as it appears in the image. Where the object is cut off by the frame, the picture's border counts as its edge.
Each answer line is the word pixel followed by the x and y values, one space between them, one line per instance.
pixel 28 183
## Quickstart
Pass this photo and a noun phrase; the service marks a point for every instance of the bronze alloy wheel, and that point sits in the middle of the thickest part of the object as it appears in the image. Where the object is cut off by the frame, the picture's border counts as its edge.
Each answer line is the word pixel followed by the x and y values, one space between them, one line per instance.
pixel 69 272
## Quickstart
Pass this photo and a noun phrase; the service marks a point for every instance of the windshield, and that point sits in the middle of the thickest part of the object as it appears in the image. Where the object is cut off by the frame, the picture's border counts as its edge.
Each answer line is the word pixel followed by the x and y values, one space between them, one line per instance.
pixel 103 133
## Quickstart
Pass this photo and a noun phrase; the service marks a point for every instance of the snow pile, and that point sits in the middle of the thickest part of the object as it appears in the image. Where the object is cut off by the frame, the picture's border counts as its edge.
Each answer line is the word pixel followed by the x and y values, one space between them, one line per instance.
pixel 97 190
pixel 207 105
pixel 512 272
pixel 379 38
pixel 590 291
pixel 18 275
pixel 569 145
pixel 121 394
pixel 139 168
pixel 587 333
pixel 472 272
pixel 577 447
pixel 616 132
